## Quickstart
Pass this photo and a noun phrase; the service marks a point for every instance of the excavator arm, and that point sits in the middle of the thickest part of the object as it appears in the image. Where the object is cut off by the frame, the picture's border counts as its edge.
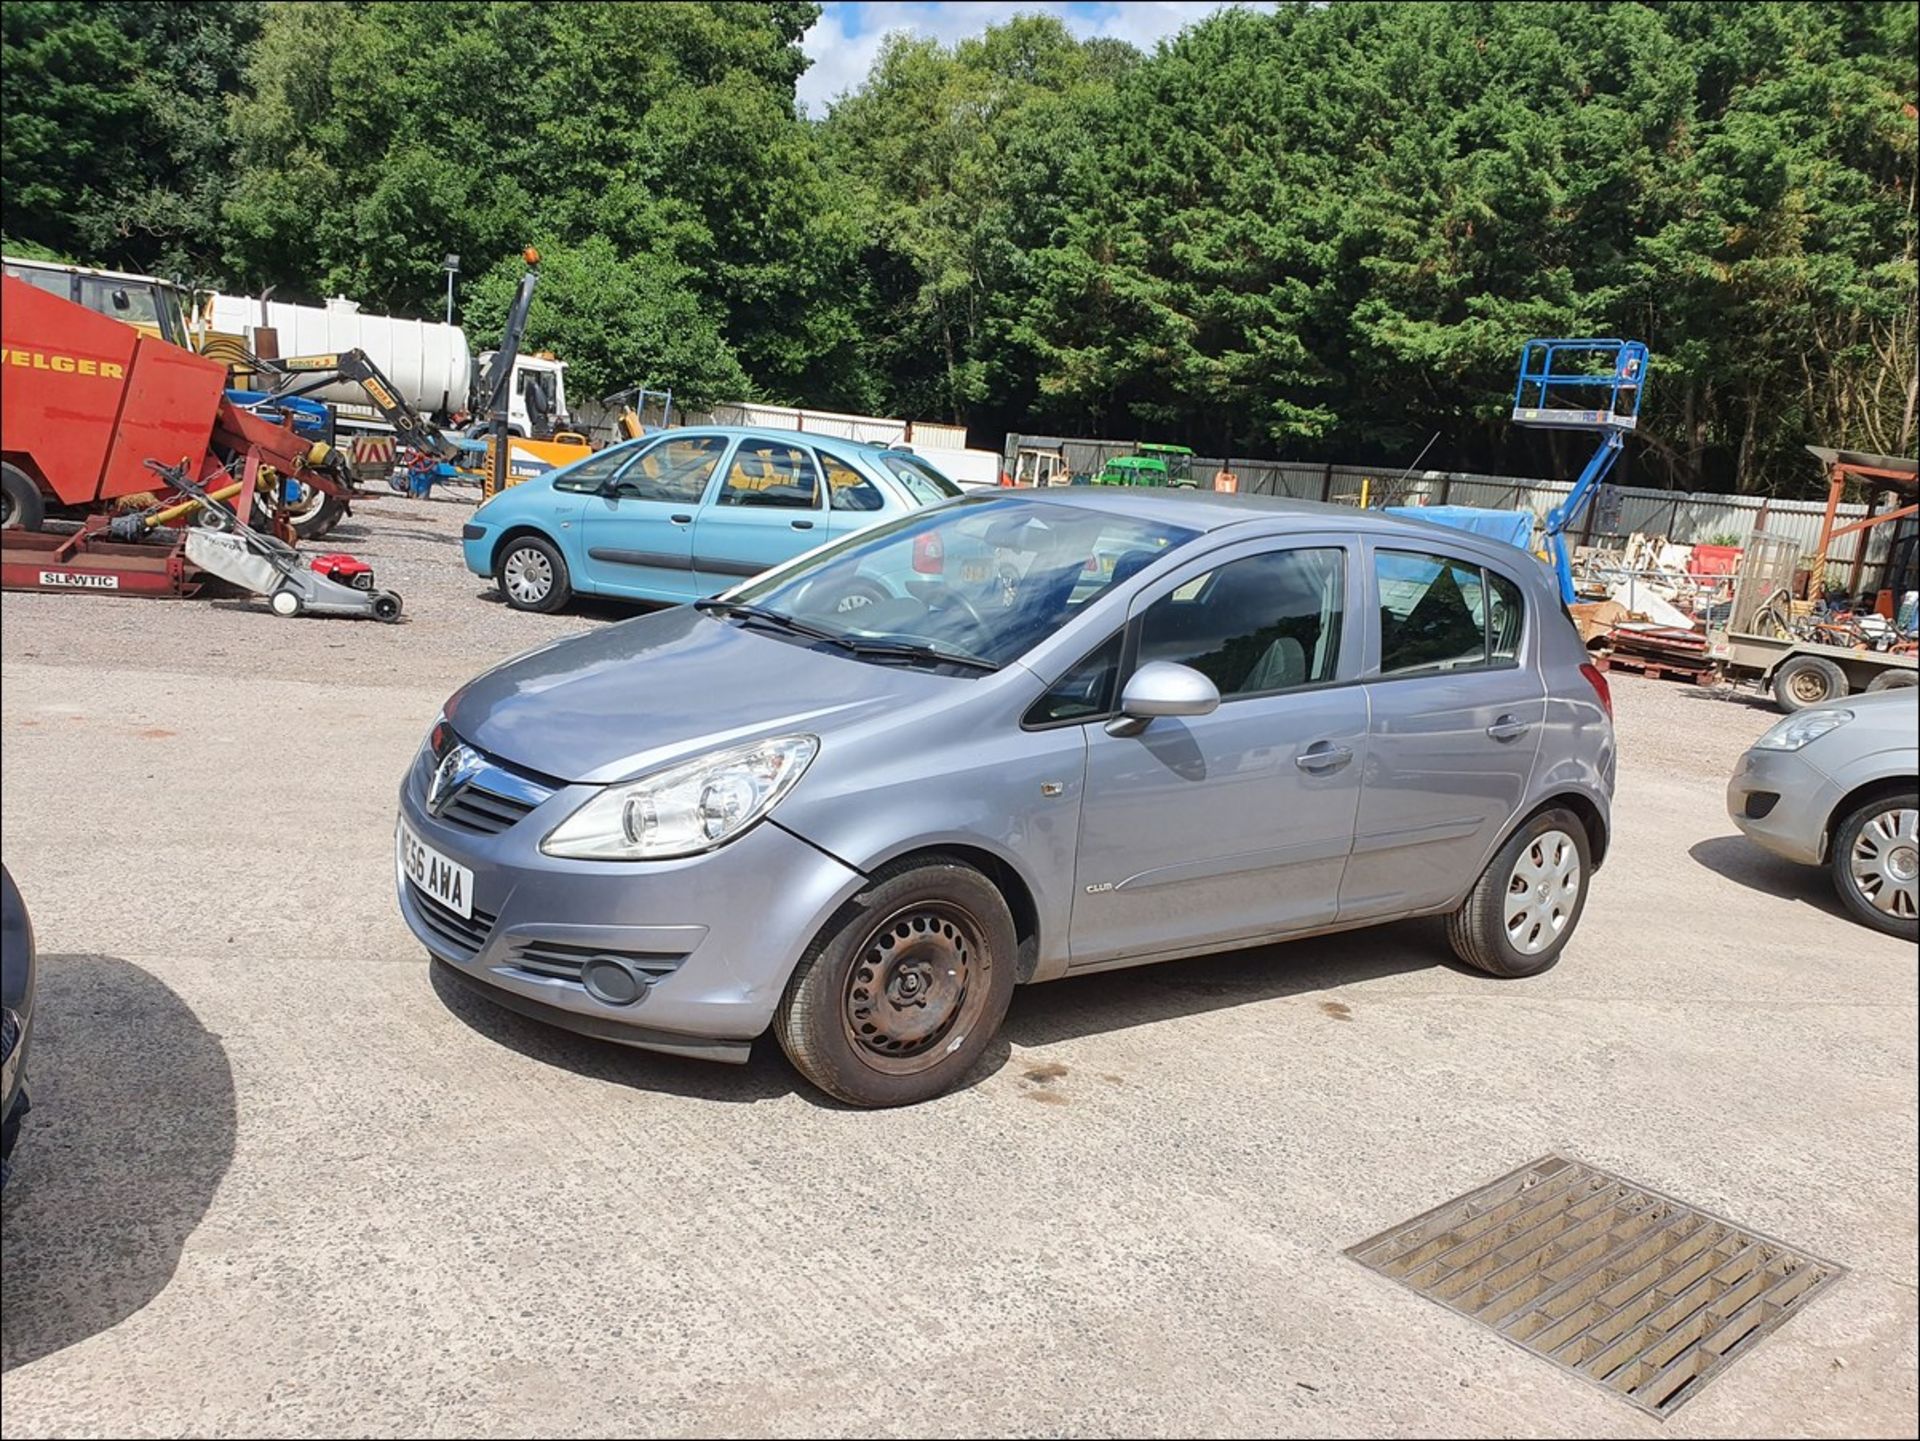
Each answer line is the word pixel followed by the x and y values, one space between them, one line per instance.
pixel 303 374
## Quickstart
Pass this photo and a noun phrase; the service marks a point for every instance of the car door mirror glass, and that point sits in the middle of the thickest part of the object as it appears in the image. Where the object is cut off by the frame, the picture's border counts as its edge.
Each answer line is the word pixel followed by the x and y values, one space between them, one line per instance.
pixel 1162 688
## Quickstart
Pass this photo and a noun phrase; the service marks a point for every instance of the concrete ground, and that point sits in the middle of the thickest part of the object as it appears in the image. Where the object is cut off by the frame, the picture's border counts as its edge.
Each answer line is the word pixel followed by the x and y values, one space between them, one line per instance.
pixel 277 1180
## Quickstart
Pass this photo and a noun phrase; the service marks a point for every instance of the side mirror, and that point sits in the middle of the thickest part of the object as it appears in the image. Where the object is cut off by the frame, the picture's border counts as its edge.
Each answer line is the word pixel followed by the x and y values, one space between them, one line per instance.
pixel 1161 688
pixel 122 301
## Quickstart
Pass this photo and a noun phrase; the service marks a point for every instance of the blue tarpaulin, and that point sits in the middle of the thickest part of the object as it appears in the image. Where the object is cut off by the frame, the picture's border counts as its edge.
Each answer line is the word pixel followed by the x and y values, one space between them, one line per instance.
pixel 1515 527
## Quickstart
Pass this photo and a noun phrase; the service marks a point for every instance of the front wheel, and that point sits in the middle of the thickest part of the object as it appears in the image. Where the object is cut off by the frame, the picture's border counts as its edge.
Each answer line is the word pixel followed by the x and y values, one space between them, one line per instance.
pixel 1876 863
pixel 1522 911
pixel 902 991
pixel 21 505
pixel 1808 680
pixel 533 574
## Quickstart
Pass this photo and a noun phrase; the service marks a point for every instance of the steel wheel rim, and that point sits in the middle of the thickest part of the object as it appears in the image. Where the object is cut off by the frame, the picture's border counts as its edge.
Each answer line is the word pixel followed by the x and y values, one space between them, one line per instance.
pixel 1885 862
pixel 1542 891
pixel 528 576
pixel 1808 686
pixel 916 987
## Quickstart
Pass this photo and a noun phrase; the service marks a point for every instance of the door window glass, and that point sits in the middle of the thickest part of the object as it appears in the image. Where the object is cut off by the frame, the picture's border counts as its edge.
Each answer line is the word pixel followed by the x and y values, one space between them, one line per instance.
pixel 847 488
pixel 769 473
pixel 1264 623
pixel 54 282
pixel 596 470
pixel 1083 693
pixel 126 300
pixel 1440 614
pixel 926 485
pixel 676 470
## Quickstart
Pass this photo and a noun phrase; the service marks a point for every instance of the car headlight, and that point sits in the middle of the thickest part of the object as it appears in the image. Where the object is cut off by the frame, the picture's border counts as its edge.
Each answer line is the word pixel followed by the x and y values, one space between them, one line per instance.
pixel 686 808
pixel 1797 730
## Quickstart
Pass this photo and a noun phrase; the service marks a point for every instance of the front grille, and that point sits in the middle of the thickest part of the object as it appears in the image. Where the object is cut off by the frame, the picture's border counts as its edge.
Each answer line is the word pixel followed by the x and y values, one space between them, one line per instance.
pixel 478 809
pixel 557 961
pixel 1635 1291
pixel 460 935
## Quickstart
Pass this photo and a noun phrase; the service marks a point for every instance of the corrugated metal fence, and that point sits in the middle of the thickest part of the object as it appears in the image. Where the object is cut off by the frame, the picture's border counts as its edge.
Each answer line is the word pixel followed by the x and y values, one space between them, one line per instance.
pixel 1686 517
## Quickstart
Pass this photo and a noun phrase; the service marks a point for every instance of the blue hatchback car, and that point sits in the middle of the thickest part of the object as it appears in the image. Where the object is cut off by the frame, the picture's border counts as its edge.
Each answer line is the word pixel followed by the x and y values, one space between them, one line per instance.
pixel 684 513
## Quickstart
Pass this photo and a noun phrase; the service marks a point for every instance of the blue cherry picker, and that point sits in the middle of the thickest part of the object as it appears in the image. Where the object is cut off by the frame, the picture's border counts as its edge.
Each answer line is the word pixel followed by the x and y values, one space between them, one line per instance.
pixel 1590 385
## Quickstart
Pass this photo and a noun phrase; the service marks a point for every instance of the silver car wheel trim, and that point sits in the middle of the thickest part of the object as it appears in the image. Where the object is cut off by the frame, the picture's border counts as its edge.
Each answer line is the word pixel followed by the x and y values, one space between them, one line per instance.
pixel 1542 892
pixel 528 576
pixel 1885 864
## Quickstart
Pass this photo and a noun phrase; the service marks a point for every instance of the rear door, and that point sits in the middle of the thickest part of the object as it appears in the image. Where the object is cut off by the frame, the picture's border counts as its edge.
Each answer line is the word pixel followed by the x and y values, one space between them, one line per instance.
pixel 637 535
pixel 770 506
pixel 1457 707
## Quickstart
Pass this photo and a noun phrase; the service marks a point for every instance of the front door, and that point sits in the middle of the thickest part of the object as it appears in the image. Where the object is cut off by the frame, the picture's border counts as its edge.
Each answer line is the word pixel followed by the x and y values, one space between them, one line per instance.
pixel 1235 825
pixel 1458 707
pixel 768 509
pixel 637 534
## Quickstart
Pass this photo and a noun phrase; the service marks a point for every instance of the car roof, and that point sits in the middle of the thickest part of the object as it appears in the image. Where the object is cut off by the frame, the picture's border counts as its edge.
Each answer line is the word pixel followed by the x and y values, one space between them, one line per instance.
pixel 1206 510
pixel 798 437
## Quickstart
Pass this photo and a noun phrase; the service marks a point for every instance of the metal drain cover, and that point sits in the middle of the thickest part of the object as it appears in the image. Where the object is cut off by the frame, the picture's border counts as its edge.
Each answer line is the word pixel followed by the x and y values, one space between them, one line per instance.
pixel 1625 1287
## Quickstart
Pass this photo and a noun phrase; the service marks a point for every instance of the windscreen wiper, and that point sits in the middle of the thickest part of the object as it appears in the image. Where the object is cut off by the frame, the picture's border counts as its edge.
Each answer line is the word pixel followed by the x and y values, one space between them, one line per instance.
pixel 914 650
pixel 778 619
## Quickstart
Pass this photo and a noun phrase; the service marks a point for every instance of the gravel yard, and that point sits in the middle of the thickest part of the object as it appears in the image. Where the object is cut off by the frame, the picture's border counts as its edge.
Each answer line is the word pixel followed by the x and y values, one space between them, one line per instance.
pixel 277 1179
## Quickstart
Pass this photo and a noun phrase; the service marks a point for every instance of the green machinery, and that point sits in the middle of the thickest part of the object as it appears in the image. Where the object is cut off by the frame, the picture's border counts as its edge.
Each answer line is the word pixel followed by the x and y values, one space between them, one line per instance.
pixel 1150 464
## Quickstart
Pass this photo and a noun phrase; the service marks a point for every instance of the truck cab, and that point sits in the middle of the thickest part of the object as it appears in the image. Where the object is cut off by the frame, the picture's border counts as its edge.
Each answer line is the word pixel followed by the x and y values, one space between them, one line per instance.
pixel 537 398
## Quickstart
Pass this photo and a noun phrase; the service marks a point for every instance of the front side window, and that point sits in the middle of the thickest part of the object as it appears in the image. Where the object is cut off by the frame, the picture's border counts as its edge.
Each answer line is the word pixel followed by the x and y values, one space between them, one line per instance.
pixel 1083 693
pixel 596 470
pixel 676 470
pixel 985 579
pixel 1252 626
pixel 126 300
pixel 1439 614
pixel 770 473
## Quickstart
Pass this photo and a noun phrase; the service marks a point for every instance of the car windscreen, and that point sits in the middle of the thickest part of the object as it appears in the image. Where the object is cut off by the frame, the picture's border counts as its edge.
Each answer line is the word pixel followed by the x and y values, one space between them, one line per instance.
pixel 983 579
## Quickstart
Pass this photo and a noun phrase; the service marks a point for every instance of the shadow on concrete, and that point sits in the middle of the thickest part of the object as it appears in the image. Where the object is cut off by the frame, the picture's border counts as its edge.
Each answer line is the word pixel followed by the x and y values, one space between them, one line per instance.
pixel 765 1076
pixel 1040 1015
pixel 586 607
pixel 1143 995
pixel 132 1128
pixel 1753 700
pixel 1741 861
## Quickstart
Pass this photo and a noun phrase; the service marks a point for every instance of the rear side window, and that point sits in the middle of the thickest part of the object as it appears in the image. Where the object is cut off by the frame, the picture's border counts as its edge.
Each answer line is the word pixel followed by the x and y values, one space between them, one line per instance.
pixel 1253 626
pixel 847 488
pixel 1440 614
pixel 926 485
pixel 54 282
pixel 768 473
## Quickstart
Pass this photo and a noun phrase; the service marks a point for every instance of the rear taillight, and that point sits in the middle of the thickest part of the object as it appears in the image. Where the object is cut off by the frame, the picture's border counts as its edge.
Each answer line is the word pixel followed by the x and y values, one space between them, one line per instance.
pixel 929 555
pixel 1597 678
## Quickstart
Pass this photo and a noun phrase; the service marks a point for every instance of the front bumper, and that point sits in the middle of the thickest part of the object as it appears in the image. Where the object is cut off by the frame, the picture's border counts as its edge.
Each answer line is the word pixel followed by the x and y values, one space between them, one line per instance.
pixel 1781 801
pixel 476 548
pixel 708 942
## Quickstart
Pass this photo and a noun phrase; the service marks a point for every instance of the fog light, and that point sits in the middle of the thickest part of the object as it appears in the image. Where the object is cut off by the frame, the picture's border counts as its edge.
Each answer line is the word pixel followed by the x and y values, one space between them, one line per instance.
pixel 612 981
pixel 1760 804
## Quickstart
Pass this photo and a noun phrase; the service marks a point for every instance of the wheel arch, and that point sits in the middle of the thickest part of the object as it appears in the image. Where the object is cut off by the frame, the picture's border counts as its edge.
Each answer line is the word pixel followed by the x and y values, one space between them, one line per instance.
pixel 1006 877
pixel 1867 790
pixel 1592 820
pixel 514 532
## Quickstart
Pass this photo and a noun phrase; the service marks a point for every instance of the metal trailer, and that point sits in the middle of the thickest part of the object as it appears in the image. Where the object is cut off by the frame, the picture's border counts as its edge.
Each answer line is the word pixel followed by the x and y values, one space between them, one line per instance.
pixel 1758 645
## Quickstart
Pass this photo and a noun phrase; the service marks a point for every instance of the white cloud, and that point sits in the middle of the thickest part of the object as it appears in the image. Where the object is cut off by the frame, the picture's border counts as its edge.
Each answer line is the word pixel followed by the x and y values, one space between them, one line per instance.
pixel 843 43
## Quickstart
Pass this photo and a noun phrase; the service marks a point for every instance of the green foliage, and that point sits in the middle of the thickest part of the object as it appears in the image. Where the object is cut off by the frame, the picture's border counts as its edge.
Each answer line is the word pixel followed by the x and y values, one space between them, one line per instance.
pixel 1321 232
pixel 616 323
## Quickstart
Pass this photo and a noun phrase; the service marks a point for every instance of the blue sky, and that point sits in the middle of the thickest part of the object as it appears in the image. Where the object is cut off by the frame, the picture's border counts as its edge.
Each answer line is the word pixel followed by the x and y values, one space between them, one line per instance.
pixel 847 36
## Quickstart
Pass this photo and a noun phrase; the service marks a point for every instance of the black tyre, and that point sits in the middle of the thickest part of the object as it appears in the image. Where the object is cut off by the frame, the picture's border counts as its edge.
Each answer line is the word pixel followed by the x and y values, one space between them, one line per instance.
pixel 1892 680
pixel 533 574
pixel 1875 861
pixel 902 991
pixel 21 504
pixel 1523 910
pixel 1808 680
pixel 386 607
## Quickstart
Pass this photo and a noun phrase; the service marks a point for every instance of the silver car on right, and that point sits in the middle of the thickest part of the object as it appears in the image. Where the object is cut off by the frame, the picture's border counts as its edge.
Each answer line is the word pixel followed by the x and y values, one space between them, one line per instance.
pixel 1839 786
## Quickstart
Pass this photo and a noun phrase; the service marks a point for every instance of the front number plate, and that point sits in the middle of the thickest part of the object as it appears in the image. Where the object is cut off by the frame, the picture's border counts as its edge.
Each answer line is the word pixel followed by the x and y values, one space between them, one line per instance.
pixel 446 881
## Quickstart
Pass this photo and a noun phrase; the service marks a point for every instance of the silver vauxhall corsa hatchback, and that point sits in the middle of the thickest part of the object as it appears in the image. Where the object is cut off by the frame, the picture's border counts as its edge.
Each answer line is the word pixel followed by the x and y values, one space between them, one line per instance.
pixel 1008 739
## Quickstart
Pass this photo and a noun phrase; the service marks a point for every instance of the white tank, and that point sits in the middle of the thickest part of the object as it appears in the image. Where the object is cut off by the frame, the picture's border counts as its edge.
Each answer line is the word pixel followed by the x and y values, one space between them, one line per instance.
pixel 428 363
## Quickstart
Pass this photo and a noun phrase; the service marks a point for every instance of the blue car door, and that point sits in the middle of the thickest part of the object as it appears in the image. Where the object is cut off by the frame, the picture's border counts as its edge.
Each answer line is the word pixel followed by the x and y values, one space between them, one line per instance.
pixel 637 533
pixel 769 508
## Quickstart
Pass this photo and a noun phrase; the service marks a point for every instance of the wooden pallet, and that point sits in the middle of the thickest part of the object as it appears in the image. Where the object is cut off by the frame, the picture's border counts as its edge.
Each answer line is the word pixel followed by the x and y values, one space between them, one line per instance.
pixel 1657 669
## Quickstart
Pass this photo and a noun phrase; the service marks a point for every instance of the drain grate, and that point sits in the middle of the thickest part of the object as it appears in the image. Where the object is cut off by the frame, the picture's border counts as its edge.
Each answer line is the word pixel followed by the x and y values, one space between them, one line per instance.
pixel 1630 1289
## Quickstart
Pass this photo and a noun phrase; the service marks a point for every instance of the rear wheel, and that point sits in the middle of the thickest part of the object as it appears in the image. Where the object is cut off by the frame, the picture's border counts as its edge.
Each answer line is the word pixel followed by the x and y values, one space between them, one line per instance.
pixel 318 518
pixel 902 991
pixel 533 574
pixel 1876 863
pixel 1522 911
pixel 1893 680
pixel 21 505
pixel 1808 680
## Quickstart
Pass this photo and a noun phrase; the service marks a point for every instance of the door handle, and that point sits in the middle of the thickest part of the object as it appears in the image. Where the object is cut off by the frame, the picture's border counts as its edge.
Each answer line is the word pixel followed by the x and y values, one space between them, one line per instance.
pixel 801 524
pixel 1507 728
pixel 1323 756
pixel 681 519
